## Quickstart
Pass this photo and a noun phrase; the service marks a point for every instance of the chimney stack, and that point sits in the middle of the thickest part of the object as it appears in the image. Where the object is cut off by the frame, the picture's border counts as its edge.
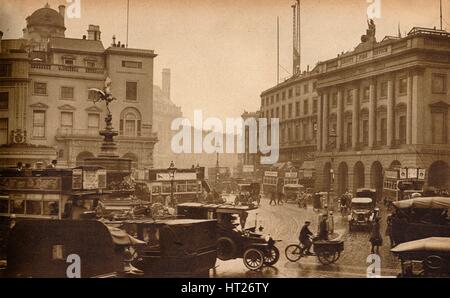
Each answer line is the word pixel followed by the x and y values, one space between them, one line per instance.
pixel 94 32
pixel 166 82
pixel 62 11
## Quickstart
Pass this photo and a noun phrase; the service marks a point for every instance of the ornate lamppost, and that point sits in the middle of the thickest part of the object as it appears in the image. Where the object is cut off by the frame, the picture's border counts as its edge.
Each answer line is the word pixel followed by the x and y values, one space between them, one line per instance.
pixel 332 145
pixel 171 170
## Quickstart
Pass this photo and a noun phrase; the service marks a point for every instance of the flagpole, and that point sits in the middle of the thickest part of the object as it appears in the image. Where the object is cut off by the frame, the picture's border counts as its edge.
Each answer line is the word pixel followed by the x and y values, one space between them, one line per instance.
pixel 128 16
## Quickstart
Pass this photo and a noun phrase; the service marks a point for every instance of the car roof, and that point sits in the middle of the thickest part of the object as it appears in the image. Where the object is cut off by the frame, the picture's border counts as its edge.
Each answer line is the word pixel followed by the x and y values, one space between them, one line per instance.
pixel 362 200
pixel 437 244
pixel 424 203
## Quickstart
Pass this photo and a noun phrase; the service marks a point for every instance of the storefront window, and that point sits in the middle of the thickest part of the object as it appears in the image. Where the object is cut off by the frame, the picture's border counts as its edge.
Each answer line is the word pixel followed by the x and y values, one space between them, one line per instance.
pixel 192 186
pixel 4 205
pixel 33 207
pixel 181 186
pixel 51 208
pixel 166 188
pixel 17 204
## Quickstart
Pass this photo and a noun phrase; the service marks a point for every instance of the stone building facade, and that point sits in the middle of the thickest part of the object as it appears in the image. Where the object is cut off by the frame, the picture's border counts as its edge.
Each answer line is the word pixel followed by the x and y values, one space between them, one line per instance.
pixel 385 105
pixel 45 84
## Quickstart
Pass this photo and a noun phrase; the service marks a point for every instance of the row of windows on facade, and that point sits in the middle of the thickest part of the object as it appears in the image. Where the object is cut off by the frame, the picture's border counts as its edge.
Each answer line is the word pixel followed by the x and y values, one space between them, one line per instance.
pixel 439 85
pixel 275 112
pixel 265 101
pixel 91 63
pixel 68 93
pixel 298 133
pixel 129 125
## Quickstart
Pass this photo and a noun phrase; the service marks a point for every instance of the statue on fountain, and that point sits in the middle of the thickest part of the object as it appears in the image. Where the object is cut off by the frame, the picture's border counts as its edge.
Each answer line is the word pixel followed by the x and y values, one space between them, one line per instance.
pixel 108 147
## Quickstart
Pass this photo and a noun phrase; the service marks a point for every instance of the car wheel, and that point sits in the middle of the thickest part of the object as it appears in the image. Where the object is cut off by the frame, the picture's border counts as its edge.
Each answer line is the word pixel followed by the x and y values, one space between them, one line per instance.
pixel 253 259
pixel 226 248
pixel 271 256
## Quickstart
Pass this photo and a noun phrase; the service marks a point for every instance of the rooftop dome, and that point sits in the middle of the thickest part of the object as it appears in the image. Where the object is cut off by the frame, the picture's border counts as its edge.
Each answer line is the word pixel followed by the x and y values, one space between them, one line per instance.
pixel 46 17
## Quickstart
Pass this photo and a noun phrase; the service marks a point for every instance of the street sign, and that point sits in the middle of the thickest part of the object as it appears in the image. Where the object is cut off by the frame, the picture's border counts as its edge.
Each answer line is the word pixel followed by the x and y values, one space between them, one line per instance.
pixel 248 168
pixel 271 174
pixel 421 174
pixel 412 173
pixel 290 175
pixel 177 176
pixel 403 173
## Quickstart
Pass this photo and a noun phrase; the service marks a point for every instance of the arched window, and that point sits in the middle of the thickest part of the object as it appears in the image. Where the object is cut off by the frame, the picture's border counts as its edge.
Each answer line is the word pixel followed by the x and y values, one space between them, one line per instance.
pixel 130 122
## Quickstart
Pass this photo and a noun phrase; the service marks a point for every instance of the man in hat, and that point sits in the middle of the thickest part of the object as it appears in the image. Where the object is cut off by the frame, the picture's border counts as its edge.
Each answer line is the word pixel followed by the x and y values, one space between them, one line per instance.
pixel 323 227
pixel 305 238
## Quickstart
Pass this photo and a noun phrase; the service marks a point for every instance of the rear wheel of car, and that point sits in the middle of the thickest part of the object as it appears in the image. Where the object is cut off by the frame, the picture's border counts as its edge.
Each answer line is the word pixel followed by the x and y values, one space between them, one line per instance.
pixel 253 259
pixel 226 248
pixel 272 256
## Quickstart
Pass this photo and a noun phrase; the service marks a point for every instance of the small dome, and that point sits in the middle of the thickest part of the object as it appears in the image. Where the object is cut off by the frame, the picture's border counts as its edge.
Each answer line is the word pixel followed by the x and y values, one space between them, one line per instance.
pixel 46 17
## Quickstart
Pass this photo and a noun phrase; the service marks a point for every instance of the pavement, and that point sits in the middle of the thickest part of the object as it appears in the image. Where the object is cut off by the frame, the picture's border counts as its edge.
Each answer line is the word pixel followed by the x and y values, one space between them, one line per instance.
pixel 283 222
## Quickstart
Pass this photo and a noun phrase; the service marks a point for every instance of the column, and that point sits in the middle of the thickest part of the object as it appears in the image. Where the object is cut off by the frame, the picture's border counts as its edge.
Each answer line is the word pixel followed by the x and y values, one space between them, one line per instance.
pixel 325 124
pixel 355 118
pixel 390 112
pixel 372 114
pixel 319 123
pixel 409 110
pixel 340 118
pixel 418 106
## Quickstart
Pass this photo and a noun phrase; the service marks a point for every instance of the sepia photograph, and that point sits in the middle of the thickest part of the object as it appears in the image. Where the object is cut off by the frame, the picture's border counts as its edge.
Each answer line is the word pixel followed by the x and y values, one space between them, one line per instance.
pixel 224 139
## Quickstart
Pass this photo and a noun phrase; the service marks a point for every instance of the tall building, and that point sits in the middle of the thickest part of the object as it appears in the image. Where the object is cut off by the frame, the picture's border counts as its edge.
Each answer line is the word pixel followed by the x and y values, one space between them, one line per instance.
pixel 384 105
pixel 45 79
pixel 164 112
pixel 294 102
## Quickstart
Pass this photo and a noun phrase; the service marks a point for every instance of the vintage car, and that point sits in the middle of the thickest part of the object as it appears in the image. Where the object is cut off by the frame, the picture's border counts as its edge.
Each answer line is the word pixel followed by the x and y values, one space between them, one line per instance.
pixel 429 257
pixel 175 247
pixel 360 213
pixel 291 190
pixel 366 193
pixel 248 194
pixel 233 239
pixel 419 218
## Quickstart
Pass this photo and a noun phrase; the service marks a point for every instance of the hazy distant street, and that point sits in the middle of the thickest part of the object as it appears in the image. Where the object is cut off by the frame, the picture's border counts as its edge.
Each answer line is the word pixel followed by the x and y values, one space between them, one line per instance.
pixel 284 222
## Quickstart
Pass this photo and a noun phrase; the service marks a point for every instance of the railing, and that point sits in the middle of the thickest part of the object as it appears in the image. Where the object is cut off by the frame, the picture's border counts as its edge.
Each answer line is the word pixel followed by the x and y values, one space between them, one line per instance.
pixel 67 68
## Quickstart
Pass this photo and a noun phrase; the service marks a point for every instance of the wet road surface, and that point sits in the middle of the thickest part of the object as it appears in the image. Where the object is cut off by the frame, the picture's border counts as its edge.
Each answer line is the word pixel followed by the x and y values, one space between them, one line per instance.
pixel 283 222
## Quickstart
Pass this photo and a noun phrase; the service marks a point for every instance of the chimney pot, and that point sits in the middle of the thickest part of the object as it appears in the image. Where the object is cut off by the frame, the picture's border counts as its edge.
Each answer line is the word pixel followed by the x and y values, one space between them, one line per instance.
pixel 62 10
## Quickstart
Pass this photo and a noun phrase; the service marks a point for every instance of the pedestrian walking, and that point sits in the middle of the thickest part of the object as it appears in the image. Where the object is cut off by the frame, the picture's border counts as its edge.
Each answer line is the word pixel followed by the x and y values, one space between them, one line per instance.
pixel 280 198
pixel 272 198
pixel 375 238
pixel 388 231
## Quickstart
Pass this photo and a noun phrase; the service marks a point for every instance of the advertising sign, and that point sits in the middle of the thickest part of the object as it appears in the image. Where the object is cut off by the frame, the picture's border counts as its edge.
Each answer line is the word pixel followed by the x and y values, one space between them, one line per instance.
pixel 271 174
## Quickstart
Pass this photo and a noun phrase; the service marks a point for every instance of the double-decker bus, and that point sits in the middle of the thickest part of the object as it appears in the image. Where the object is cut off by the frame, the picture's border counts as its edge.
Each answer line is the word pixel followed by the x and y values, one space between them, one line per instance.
pixel 400 183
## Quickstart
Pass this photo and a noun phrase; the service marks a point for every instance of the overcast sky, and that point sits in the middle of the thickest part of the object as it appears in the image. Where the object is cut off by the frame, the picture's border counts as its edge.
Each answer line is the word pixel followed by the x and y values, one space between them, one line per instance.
pixel 222 53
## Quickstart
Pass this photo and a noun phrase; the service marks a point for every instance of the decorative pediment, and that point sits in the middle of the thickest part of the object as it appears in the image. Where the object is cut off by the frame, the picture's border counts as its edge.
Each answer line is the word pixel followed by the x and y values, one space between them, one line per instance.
pixel 67 107
pixel 39 106
pixel 94 109
pixel 439 105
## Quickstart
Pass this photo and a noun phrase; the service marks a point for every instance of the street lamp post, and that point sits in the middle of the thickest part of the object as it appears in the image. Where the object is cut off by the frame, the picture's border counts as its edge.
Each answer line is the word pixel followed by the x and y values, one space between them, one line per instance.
pixel 171 170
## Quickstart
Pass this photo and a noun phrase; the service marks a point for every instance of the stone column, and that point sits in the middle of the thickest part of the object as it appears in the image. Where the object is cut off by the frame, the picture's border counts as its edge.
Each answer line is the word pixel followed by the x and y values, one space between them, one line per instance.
pixel 340 118
pixel 372 114
pixel 319 123
pixel 409 109
pixel 325 124
pixel 418 108
pixel 355 117
pixel 390 112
